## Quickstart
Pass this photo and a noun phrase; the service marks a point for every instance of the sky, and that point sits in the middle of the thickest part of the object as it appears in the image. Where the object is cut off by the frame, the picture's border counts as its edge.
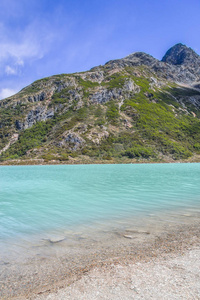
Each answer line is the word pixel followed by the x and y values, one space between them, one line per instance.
pixel 40 38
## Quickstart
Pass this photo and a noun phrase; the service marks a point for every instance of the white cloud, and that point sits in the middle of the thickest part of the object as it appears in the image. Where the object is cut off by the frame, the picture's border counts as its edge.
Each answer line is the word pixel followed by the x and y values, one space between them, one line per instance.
pixel 26 46
pixel 20 62
pixel 19 51
pixel 10 71
pixel 6 92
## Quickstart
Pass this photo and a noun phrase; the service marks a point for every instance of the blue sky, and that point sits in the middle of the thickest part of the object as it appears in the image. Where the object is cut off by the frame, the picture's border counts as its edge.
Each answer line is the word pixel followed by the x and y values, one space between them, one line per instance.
pixel 40 38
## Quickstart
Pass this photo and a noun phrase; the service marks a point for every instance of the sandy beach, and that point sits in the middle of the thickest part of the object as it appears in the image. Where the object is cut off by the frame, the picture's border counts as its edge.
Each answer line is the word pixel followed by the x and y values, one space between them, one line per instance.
pixel 157 261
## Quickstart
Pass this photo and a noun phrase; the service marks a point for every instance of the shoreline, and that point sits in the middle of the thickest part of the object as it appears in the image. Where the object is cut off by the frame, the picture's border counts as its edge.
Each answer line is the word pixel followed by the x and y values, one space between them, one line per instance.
pixel 43 276
pixel 38 162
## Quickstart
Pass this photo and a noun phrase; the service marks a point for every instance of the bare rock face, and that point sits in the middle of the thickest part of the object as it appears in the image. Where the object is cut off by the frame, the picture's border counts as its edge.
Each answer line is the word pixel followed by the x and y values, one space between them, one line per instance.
pixel 105 95
pixel 196 85
pixel 73 141
pixel 181 55
pixel 130 86
pixel 134 59
pixel 186 59
pixel 37 98
pixel 141 58
pixel 40 113
pixel 98 135
pixel 95 75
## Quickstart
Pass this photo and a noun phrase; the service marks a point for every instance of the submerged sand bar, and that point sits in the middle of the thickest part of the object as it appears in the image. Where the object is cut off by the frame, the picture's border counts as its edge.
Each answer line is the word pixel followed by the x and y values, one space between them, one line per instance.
pixel 158 259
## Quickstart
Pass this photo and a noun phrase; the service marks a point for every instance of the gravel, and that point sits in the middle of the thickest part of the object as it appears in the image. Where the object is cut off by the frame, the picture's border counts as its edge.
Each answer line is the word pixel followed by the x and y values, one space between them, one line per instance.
pixel 171 277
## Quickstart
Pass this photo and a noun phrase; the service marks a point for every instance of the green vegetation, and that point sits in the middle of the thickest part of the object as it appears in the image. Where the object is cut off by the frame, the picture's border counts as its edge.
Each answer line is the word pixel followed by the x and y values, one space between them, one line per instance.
pixel 172 94
pixel 30 139
pixel 33 88
pixel 197 146
pixel 41 132
pixel 55 156
pixel 61 97
pixel 114 81
pixel 142 82
pixel 159 126
pixel 86 84
pixel 139 151
pixel 112 113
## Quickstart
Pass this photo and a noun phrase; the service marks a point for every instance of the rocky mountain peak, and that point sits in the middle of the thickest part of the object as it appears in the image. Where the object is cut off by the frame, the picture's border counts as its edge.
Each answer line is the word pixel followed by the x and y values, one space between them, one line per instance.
pixel 141 58
pixel 180 54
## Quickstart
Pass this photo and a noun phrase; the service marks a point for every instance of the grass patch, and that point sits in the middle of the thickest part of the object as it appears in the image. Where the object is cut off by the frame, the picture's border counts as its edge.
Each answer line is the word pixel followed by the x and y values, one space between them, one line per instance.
pixel 87 84
pixel 112 113
pixel 114 81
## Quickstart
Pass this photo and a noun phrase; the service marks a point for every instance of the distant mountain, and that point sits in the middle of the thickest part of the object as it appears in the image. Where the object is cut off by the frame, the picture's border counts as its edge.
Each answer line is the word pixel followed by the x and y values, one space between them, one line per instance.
pixel 181 55
pixel 132 109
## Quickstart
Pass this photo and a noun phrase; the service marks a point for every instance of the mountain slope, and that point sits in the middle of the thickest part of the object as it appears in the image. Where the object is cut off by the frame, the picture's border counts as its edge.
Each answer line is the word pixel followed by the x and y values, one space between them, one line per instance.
pixel 132 108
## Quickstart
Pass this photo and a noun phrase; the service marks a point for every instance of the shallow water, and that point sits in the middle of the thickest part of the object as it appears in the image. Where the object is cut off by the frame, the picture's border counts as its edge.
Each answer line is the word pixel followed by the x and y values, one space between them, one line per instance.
pixel 48 203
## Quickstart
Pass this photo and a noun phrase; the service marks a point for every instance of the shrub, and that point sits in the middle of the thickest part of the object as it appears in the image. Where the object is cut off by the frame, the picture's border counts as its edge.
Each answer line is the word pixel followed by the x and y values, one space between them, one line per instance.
pixel 115 81
pixel 197 146
pixel 49 156
pixel 64 157
pixel 87 83
pixel 139 151
pixel 112 113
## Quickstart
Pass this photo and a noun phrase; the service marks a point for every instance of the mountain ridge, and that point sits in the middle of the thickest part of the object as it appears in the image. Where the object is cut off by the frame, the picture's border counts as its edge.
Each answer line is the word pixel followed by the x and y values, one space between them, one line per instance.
pixel 106 113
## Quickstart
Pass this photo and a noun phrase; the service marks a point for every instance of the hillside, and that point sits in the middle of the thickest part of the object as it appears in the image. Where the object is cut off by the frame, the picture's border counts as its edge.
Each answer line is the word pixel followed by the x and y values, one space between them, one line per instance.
pixel 130 109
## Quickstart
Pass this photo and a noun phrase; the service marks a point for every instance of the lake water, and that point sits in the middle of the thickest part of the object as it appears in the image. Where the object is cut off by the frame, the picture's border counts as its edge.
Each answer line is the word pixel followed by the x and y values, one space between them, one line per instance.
pixel 44 202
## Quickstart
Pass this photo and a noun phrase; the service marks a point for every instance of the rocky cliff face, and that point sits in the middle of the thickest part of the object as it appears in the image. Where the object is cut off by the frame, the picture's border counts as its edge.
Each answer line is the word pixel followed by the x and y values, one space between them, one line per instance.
pixel 185 58
pixel 136 107
pixel 181 55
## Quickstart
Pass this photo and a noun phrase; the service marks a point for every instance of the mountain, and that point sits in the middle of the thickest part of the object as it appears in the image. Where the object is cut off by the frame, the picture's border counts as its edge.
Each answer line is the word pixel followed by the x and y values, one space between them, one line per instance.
pixel 132 109
pixel 184 57
pixel 181 55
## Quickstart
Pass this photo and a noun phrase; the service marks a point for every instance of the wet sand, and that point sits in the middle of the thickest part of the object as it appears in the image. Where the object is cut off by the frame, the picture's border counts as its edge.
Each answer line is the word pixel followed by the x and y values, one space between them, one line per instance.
pixel 80 267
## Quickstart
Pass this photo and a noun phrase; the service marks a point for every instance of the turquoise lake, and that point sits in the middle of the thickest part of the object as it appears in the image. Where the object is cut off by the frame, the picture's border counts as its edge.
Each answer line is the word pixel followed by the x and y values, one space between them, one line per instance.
pixel 39 200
